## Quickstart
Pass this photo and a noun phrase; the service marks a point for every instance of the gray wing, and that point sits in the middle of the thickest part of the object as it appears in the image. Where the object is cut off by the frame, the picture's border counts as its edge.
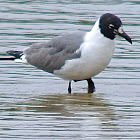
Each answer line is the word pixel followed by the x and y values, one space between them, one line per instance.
pixel 52 55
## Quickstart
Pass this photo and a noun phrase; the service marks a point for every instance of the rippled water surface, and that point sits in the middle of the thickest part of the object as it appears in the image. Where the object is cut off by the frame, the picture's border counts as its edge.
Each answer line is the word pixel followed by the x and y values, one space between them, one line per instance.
pixel 35 104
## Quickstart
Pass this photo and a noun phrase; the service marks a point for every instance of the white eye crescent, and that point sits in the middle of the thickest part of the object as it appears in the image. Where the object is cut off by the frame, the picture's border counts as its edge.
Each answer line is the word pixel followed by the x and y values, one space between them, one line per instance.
pixel 111 26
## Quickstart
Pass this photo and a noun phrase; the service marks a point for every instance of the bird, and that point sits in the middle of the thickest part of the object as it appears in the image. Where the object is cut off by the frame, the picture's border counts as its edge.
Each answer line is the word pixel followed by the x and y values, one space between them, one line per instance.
pixel 78 55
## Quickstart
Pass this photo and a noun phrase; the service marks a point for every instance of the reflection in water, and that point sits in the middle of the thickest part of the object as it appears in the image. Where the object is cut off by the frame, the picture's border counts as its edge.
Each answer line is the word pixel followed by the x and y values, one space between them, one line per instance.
pixel 78 105
pixel 72 116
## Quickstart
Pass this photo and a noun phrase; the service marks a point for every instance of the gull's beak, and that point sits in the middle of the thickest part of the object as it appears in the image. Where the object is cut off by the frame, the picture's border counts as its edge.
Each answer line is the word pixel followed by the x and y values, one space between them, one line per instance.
pixel 121 33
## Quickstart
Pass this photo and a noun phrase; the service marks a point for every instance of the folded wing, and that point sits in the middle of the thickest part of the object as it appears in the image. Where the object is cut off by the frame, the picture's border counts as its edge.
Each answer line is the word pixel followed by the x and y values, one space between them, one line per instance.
pixel 52 55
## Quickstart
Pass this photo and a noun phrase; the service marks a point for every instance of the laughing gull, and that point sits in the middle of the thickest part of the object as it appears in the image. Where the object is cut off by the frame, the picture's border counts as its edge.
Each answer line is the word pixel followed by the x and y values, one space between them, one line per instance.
pixel 79 55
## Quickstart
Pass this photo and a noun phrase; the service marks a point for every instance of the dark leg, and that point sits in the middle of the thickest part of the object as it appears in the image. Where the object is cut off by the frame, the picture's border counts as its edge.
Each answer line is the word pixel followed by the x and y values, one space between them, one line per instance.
pixel 91 87
pixel 69 87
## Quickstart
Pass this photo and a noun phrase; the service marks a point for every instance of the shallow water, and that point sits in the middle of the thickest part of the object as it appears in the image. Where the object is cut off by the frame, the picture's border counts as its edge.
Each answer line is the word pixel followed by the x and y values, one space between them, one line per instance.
pixel 35 104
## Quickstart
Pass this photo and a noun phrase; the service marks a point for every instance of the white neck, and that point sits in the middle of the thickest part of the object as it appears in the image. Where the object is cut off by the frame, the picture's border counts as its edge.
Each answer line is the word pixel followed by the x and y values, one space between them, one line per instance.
pixel 95 35
pixel 96 26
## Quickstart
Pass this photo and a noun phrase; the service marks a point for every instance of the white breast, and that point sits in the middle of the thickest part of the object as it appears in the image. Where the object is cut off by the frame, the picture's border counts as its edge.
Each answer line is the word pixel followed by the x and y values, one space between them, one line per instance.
pixel 96 53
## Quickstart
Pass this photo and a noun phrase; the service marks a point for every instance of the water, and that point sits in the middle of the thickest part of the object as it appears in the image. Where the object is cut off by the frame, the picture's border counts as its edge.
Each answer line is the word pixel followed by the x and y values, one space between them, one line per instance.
pixel 35 104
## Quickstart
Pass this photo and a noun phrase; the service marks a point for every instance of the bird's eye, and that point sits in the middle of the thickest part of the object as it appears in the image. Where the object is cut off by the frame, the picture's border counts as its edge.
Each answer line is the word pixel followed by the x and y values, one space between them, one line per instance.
pixel 111 26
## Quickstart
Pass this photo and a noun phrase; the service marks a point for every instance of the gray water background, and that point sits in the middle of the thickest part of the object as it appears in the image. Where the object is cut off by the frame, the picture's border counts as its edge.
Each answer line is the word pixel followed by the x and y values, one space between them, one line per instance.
pixel 35 104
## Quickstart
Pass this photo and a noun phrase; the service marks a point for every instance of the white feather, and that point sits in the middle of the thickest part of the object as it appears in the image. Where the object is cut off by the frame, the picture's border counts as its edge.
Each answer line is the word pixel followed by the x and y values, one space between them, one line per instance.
pixel 96 53
pixel 21 60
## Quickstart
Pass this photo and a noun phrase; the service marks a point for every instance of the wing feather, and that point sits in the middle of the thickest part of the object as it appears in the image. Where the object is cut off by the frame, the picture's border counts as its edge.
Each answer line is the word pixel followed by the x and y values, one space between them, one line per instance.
pixel 52 55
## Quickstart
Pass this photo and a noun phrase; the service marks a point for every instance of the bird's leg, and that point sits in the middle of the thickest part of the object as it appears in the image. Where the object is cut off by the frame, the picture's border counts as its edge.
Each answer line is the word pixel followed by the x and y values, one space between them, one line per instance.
pixel 69 87
pixel 91 87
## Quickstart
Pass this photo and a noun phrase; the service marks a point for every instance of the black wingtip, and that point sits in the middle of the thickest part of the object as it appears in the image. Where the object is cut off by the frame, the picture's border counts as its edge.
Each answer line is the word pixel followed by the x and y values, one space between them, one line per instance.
pixel 16 54
pixel 11 55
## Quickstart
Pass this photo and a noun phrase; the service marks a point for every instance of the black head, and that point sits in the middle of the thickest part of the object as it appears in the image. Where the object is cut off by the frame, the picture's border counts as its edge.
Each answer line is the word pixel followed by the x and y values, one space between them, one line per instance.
pixel 111 26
